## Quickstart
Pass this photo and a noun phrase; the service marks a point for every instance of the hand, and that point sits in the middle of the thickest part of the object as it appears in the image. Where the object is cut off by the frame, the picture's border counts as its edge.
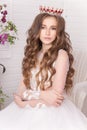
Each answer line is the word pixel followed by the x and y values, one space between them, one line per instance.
pixel 52 97
pixel 18 100
pixel 33 102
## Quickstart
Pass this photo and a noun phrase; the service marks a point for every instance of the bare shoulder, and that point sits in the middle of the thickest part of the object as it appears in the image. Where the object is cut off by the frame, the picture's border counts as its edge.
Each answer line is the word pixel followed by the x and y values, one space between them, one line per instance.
pixel 62 58
pixel 62 53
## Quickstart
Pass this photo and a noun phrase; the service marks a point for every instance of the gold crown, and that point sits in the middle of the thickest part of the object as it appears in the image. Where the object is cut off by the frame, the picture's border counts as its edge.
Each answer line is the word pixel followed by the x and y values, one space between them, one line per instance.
pixel 51 10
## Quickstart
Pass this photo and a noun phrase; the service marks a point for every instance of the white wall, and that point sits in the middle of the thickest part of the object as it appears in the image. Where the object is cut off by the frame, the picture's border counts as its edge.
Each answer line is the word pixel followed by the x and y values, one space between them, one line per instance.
pixel 76 19
pixel 22 12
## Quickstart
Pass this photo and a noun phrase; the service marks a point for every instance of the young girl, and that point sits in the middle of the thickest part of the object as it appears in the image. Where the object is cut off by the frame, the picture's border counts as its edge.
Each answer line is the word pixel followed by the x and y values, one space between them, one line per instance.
pixel 42 102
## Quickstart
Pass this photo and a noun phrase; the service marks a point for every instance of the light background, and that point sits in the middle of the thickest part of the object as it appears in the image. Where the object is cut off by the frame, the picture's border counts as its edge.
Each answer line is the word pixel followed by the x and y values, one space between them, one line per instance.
pixel 22 12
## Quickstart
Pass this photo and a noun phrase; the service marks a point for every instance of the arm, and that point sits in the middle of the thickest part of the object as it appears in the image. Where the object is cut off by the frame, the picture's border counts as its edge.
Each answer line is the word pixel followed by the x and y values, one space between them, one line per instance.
pixel 22 104
pixel 18 97
pixel 62 67
pixel 21 88
pixel 54 96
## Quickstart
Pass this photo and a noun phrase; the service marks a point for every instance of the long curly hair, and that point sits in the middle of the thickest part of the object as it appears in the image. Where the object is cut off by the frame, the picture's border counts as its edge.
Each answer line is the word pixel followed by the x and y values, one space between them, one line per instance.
pixel 34 46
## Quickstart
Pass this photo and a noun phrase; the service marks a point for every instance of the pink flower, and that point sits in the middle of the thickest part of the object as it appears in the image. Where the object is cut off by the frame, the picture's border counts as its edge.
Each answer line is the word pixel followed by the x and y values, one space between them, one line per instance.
pixel 3 38
pixel 8 30
pixel 5 12
pixel 3 19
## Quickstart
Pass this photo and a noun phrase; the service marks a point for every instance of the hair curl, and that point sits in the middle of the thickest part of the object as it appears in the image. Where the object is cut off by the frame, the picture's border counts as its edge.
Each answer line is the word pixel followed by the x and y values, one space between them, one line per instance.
pixel 34 45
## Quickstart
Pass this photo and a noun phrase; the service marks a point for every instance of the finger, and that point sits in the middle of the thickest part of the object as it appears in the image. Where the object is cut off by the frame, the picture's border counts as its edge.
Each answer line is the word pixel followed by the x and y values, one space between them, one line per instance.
pixel 60 92
pixel 59 95
pixel 60 98
pixel 59 101
pixel 56 104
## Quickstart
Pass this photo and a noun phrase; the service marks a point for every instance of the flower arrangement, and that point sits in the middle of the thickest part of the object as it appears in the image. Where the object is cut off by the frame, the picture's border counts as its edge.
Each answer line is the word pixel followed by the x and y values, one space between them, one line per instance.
pixel 2 96
pixel 8 30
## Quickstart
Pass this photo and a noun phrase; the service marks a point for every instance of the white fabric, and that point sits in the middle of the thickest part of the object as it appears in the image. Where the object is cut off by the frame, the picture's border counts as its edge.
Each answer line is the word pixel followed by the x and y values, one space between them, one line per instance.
pixel 80 65
pixel 79 94
pixel 64 117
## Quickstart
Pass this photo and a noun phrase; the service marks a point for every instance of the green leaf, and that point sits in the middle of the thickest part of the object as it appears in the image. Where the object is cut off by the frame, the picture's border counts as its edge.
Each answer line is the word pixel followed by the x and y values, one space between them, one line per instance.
pixel 2 100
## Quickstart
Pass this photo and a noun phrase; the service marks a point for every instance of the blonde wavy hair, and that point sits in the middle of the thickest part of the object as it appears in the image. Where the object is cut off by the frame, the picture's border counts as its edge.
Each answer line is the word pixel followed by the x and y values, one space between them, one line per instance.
pixel 34 46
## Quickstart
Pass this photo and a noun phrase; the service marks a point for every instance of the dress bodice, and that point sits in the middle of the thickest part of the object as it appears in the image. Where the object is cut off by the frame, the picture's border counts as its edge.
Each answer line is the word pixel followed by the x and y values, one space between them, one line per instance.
pixel 35 90
pixel 33 82
pixel 58 78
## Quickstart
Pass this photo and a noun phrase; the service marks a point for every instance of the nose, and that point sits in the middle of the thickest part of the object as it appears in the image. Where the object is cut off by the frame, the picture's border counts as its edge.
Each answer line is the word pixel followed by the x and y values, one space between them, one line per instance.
pixel 47 31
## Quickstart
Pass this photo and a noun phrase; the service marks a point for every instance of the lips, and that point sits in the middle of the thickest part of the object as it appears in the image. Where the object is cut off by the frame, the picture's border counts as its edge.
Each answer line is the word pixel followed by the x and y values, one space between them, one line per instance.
pixel 47 38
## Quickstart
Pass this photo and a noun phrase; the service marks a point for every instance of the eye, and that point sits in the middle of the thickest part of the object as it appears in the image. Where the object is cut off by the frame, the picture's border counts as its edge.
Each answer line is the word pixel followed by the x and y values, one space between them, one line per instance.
pixel 42 27
pixel 53 28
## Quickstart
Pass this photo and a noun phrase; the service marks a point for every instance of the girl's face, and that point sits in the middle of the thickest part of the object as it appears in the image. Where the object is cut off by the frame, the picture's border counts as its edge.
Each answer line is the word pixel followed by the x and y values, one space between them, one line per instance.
pixel 48 31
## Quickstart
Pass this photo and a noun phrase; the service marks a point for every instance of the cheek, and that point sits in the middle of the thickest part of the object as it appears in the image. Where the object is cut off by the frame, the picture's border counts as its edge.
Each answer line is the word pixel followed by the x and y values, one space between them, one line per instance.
pixel 54 35
pixel 41 36
pixel 41 33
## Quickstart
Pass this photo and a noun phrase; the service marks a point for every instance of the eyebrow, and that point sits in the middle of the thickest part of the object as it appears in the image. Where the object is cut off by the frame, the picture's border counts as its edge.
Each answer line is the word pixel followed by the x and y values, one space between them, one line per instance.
pixel 51 25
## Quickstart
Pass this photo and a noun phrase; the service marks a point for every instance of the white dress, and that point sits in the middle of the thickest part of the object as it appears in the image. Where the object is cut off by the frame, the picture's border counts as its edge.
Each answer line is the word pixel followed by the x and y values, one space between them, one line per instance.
pixel 64 117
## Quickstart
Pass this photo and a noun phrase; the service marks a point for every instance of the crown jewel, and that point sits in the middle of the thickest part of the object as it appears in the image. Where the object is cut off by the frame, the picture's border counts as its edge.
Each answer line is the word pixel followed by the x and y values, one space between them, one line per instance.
pixel 51 10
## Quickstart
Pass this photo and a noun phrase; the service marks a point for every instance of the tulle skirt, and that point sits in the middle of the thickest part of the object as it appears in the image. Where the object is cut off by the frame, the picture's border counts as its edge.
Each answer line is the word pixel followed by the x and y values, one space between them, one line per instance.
pixel 64 117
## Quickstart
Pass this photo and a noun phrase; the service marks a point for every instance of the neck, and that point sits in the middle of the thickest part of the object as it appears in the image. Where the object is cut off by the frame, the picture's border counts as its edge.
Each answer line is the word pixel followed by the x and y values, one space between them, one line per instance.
pixel 45 48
